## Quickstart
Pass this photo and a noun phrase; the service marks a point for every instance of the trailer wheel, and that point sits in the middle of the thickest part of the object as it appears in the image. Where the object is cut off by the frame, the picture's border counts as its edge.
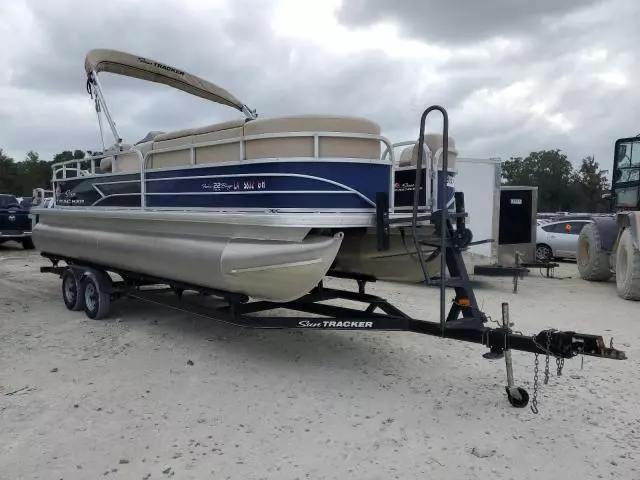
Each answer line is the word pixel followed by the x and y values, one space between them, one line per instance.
pixel 593 262
pixel 73 300
pixel 27 243
pixel 628 268
pixel 96 302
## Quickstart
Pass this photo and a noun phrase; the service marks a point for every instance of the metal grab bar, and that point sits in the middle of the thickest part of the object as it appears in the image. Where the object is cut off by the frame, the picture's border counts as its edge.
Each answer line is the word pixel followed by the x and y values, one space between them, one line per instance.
pixel 440 200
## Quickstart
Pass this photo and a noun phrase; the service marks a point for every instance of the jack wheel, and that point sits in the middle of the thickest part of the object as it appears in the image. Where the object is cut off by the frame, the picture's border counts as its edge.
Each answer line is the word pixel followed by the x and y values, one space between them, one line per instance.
pixel 71 291
pixel 96 302
pixel 518 396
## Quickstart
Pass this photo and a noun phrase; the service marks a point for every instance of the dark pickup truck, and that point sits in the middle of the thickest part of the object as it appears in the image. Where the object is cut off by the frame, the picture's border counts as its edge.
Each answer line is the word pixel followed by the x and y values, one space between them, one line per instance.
pixel 15 223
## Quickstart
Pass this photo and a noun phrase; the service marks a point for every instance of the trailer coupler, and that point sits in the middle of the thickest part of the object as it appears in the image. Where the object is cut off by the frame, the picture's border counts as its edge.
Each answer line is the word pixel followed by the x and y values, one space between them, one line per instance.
pixel 570 344
pixel 552 342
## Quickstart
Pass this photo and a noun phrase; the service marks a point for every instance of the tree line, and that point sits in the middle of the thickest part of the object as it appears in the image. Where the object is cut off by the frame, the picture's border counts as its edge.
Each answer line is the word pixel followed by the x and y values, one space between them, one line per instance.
pixel 20 178
pixel 561 187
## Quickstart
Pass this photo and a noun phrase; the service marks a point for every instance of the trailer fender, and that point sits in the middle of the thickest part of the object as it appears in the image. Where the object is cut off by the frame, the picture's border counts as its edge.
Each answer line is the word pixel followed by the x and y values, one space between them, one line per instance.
pixel 608 230
pixel 104 282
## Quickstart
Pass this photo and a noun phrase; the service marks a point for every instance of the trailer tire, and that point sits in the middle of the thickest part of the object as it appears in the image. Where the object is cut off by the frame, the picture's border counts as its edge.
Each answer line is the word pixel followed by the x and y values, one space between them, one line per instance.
pixel 627 267
pixel 592 260
pixel 71 294
pixel 97 302
pixel 27 243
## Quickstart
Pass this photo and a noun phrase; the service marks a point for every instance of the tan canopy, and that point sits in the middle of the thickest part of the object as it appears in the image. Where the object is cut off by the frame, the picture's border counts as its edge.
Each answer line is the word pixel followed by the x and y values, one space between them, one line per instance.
pixel 122 63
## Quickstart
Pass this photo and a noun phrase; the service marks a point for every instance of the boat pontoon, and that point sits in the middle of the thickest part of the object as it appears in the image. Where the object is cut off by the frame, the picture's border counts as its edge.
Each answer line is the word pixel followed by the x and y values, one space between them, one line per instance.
pixel 263 207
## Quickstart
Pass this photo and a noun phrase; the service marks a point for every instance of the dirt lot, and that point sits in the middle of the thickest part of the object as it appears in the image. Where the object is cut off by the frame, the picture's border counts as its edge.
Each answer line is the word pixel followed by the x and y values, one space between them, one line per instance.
pixel 153 393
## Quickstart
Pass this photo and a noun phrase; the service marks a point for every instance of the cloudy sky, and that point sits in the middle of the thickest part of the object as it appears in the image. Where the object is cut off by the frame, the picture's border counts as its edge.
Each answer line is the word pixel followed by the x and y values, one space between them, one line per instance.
pixel 515 75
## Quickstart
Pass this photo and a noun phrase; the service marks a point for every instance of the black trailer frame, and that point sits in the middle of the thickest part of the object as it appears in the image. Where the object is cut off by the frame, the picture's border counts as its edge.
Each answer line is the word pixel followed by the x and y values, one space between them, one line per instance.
pixel 88 286
pixel 237 310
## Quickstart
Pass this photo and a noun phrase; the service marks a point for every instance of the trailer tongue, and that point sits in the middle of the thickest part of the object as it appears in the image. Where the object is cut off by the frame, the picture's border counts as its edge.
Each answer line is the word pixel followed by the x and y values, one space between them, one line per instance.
pixel 88 286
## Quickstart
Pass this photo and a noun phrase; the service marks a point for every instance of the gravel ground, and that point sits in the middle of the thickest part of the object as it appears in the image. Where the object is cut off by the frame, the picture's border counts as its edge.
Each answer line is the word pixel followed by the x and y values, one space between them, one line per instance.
pixel 153 393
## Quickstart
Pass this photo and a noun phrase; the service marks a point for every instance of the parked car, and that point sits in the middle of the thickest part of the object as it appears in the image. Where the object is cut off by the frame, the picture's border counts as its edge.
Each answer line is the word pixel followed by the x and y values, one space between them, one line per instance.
pixel 558 238
pixel 15 223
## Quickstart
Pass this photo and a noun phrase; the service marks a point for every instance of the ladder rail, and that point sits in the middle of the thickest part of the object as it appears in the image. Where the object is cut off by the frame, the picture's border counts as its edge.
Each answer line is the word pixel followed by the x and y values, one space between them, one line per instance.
pixel 441 201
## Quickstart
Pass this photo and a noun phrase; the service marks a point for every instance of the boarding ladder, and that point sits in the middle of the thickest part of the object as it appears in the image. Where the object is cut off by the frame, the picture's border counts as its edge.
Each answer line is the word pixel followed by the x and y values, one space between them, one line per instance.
pixel 453 239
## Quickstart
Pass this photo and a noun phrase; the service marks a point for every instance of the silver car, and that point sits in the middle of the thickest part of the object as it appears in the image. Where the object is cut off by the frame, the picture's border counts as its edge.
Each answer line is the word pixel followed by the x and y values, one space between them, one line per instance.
pixel 558 239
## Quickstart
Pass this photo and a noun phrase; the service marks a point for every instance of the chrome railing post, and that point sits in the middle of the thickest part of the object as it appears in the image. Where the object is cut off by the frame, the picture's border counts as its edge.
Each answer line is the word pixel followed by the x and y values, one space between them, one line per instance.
pixel 143 183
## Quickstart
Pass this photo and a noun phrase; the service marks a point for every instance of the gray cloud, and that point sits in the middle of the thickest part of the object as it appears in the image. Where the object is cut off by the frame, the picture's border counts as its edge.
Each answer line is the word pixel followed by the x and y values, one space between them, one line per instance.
pixel 503 98
pixel 459 21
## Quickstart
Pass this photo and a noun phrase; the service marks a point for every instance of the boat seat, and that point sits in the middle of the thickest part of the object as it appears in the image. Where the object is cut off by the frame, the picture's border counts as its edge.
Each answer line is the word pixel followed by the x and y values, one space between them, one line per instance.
pixel 149 136
pixel 106 164
pixel 127 161
pixel 433 142
pixel 278 147
pixel 187 132
pixel 188 137
pixel 284 147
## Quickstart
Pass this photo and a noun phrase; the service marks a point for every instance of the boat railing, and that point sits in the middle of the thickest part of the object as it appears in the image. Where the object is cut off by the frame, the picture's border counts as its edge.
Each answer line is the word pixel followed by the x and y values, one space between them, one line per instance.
pixel 316 135
pixel 430 159
pixel 89 166
pixel 83 167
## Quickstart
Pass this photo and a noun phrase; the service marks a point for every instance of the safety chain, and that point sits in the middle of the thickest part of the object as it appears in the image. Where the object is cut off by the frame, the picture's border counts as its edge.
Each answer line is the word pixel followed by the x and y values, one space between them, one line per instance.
pixel 560 365
pixel 546 365
pixel 534 399
pixel 536 370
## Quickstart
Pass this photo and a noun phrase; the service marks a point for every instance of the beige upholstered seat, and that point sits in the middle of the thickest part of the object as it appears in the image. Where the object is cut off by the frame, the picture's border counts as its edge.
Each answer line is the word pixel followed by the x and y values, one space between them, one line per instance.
pixel 127 161
pixel 225 152
pixel 106 164
pixel 186 138
pixel 433 142
pixel 303 146
pixel 278 147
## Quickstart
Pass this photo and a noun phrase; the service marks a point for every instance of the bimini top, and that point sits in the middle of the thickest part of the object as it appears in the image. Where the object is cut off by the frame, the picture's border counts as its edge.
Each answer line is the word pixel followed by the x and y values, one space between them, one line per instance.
pixel 121 63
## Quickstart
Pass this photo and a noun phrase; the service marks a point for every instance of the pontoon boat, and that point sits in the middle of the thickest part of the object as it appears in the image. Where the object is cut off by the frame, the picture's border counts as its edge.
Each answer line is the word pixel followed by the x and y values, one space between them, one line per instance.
pixel 263 207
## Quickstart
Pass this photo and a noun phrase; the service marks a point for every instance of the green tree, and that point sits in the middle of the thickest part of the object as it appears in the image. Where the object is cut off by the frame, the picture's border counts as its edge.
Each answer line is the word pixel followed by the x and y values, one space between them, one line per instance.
pixel 549 170
pixel 8 174
pixel 33 173
pixel 68 155
pixel 560 186
pixel 591 183
pixel 20 178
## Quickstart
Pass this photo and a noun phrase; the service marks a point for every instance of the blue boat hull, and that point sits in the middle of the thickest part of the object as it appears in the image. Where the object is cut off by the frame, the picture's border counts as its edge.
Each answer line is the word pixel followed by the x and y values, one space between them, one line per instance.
pixel 314 186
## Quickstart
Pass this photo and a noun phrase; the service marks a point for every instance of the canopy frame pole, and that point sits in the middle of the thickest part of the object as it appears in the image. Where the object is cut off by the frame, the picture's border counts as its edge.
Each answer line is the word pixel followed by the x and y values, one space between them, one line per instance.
pixel 250 114
pixel 100 126
pixel 98 89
